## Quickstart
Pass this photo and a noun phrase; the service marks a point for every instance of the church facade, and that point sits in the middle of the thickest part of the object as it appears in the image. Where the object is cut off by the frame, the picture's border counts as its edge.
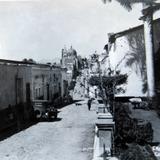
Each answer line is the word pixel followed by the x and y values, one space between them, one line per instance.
pixel 69 61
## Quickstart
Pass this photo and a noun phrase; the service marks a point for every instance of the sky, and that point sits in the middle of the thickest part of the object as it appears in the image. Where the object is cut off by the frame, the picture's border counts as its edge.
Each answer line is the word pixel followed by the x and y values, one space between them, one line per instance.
pixel 39 29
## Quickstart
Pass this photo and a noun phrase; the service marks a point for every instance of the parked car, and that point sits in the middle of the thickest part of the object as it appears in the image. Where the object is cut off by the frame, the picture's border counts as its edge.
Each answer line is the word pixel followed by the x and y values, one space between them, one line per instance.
pixel 51 113
pixel 44 110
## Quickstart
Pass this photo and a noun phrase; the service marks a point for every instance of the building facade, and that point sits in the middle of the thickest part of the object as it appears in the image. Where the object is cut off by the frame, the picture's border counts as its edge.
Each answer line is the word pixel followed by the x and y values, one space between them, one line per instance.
pixel 127 55
pixel 15 83
pixel 22 83
pixel 49 82
pixel 70 61
pixel 40 82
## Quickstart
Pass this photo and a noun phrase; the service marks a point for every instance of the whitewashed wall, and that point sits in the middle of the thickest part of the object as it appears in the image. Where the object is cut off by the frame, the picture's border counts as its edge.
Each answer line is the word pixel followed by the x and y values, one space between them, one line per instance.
pixel 118 51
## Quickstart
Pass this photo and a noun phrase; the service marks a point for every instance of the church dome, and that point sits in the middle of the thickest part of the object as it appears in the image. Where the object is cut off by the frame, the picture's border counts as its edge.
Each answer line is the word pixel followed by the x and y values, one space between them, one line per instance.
pixel 72 51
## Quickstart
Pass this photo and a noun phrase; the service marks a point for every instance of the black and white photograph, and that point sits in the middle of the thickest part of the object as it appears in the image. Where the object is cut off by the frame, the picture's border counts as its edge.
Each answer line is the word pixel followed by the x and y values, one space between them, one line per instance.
pixel 79 79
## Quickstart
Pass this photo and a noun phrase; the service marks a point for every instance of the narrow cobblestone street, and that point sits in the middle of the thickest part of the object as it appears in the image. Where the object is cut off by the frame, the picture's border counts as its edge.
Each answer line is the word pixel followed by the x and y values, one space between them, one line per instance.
pixel 70 137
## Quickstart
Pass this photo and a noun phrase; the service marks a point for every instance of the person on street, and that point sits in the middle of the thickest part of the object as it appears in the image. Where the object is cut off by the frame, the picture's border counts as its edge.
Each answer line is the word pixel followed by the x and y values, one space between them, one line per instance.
pixel 89 104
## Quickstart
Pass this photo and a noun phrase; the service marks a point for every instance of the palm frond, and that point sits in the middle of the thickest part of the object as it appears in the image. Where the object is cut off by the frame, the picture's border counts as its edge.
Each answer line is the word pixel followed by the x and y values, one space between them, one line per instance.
pixel 126 4
pixel 129 3
pixel 141 1
pixel 130 62
pixel 135 61
pixel 153 8
pixel 104 1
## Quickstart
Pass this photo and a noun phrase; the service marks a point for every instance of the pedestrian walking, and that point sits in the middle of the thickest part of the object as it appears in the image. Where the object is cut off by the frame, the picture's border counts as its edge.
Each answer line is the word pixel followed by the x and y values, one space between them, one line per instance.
pixel 89 104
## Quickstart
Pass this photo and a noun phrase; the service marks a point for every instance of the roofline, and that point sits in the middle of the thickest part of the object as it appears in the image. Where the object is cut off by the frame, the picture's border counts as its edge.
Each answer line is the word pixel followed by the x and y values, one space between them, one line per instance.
pixel 22 62
pixel 122 33
pixel 31 64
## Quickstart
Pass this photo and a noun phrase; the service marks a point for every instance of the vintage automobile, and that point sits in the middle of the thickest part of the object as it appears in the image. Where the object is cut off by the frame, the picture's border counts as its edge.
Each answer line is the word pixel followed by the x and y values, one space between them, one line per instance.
pixel 44 110
pixel 51 113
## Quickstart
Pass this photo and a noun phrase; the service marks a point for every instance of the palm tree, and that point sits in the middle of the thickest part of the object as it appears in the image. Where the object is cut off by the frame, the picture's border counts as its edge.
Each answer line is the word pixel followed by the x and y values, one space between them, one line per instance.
pixel 149 7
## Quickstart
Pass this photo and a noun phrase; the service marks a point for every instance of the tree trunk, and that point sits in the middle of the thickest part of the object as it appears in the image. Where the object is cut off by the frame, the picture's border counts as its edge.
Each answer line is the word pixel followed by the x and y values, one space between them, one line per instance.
pixel 149 47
